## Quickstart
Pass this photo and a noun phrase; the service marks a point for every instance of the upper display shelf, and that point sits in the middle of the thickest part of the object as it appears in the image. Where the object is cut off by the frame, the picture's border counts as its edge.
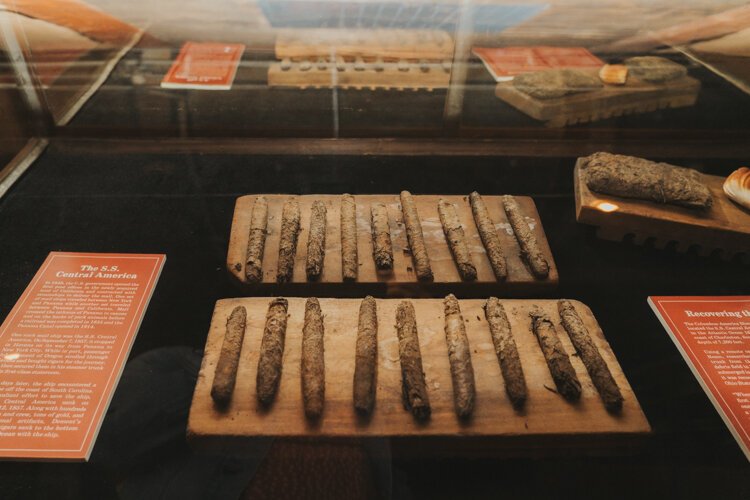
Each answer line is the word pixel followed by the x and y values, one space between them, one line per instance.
pixel 490 70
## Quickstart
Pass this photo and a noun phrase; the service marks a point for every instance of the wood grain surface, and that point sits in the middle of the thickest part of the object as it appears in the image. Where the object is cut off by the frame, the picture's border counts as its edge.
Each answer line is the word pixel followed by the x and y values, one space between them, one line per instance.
pixel 611 100
pixel 546 416
pixel 725 226
pixel 402 280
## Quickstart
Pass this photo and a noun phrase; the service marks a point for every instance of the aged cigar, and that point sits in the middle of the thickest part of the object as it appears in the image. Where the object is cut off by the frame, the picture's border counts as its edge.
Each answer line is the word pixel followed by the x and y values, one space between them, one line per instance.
pixel 526 240
pixel 290 218
pixel 316 241
pixel 459 355
pixel 382 249
pixel 313 364
pixel 558 361
pixel 415 237
pixel 257 241
pixel 488 233
pixel 591 357
pixel 366 359
pixel 413 385
pixel 349 261
pixel 507 353
pixel 271 351
pixel 226 368
pixel 632 177
pixel 454 234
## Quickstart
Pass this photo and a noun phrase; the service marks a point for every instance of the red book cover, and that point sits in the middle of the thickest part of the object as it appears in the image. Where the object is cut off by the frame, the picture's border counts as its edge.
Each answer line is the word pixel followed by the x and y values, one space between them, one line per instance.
pixel 63 347
pixel 713 335
pixel 204 66
pixel 506 62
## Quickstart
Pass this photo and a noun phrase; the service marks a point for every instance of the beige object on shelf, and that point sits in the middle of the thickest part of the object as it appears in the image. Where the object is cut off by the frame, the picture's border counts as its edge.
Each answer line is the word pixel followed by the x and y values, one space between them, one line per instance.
pixel 614 74
pixel 737 186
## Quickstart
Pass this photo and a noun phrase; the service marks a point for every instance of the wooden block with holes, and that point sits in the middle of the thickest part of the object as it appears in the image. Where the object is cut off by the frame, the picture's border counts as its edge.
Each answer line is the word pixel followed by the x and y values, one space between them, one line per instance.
pixel 546 419
pixel 402 279
pixel 610 101
pixel 723 229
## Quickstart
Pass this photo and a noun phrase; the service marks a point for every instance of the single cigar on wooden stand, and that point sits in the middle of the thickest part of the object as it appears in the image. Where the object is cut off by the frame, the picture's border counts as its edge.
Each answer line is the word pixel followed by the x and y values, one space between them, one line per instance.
pixel 415 237
pixel 225 375
pixel 530 252
pixel 366 357
pixel 507 352
pixel 271 351
pixel 454 234
pixel 488 234
pixel 413 385
pixel 313 362
pixel 382 248
pixel 316 241
pixel 459 355
pixel 256 241
pixel 592 359
pixel 349 257
pixel 558 361
pixel 290 220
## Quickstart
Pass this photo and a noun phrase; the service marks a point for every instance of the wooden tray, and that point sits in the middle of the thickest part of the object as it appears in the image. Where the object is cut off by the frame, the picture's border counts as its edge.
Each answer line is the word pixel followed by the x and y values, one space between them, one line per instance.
pixel 546 418
pixel 633 97
pixel 403 279
pixel 725 227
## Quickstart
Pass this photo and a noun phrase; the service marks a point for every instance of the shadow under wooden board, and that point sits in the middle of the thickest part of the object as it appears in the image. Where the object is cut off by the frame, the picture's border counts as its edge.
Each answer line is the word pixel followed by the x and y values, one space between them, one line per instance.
pixel 725 226
pixel 611 100
pixel 402 280
pixel 546 419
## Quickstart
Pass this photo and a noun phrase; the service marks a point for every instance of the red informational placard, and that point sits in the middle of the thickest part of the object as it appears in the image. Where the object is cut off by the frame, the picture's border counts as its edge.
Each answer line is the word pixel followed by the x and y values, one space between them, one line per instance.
pixel 204 66
pixel 63 347
pixel 713 335
pixel 506 62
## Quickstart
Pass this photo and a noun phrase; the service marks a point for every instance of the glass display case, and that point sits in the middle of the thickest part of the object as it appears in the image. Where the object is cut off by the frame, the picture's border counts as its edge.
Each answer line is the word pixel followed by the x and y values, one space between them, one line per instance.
pixel 198 130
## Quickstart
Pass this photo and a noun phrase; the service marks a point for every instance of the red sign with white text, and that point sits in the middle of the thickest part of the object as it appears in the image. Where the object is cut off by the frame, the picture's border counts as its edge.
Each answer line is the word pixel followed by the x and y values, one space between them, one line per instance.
pixel 63 347
pixel 713 335
pixel 506 62
pixel 204 66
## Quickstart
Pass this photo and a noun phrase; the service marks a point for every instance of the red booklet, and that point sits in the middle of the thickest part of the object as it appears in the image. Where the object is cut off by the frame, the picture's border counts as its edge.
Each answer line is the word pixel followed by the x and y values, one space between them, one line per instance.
pixel 204 66
pixel 713 335
pixel 506 62
pixel 63 347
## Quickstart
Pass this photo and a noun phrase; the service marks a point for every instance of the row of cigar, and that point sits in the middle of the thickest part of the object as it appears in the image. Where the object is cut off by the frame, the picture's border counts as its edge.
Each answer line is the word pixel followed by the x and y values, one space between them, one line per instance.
pixel 414 389
pixel 382 248
pixel 358 63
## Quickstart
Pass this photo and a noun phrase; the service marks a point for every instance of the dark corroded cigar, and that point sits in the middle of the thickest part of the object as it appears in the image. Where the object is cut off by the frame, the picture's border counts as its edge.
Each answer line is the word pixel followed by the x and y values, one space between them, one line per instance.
pixel 413 385
pixel 415 237
pixel 226 368
pixel 366 358
pixel 257 241
pixel 290 218
pixel 507 352
pixel 271 351
pixel 316 241
pixel 454 234
pixel 382 249
pixel 591 357
pixel 349 261
pixel 313 364
pixel 526 241
pixel 459 355
pixel 558 361
pixel 488 233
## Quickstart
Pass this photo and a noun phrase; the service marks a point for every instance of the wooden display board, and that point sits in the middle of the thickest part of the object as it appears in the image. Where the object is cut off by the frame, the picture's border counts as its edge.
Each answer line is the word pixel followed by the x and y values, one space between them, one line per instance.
pixel 402 279
pixel 546 418
pixel 725 226
pixel 611 100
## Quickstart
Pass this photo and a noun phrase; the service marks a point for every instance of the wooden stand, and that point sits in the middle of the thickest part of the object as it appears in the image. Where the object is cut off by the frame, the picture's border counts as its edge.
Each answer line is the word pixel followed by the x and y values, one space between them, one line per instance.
pixel 402 280
pixel 724 227
pixel 547 419
pixel 611 100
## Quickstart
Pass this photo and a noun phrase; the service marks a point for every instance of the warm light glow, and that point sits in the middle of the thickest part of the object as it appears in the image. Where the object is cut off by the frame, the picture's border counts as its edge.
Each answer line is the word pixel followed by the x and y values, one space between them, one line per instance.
pixel 606 206
pixel 12 357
